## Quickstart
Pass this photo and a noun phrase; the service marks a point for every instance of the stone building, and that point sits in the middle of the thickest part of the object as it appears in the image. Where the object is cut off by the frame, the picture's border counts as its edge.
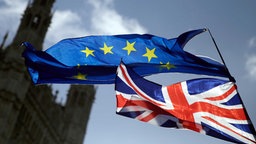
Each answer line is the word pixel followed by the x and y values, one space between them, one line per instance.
pixel 29 114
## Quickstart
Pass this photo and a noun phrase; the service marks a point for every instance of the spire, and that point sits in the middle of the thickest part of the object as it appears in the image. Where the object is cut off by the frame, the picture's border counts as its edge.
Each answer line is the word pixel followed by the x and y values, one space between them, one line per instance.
pixel 77 112
pixel 34 23
pixel 4 40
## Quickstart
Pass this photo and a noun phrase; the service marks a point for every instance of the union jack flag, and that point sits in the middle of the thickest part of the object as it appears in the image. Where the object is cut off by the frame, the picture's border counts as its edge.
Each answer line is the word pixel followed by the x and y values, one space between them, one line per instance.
pixel 208 106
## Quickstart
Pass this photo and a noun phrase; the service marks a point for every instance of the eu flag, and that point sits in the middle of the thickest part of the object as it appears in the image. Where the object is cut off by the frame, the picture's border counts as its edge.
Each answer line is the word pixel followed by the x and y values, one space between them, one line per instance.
pixel 94 59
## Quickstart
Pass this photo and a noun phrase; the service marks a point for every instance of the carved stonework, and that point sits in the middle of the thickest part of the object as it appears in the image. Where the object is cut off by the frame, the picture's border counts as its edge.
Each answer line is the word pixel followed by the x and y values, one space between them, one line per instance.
pixel 29 114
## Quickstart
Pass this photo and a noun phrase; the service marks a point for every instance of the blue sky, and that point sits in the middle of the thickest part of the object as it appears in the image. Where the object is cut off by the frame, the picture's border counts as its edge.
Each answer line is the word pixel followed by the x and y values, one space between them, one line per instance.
pixel 232 24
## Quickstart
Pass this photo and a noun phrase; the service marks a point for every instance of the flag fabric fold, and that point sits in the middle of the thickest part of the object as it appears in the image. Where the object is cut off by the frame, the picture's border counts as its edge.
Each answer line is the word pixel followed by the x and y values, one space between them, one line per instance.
pixel 94 59
pixel 209 106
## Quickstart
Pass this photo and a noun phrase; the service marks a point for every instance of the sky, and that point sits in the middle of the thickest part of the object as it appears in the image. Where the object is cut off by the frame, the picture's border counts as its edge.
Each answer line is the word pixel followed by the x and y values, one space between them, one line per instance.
pixel 232 24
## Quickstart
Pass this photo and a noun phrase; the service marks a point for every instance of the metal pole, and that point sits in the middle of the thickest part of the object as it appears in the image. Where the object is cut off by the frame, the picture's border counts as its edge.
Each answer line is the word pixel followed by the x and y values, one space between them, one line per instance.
pixel 232 79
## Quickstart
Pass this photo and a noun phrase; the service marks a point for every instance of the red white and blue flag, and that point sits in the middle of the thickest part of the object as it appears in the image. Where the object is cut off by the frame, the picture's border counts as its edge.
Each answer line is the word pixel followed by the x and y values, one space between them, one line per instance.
pixel 208 106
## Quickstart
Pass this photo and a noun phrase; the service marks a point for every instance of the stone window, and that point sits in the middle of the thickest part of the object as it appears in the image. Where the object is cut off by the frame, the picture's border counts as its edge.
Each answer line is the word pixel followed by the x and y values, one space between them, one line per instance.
pixel 36 21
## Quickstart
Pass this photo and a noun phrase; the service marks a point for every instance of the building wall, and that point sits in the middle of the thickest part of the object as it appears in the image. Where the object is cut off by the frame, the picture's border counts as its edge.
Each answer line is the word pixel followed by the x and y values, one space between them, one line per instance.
pixel 29 113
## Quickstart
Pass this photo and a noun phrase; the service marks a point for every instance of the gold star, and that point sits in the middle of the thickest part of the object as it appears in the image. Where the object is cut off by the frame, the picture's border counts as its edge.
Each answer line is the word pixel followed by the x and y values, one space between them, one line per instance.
pixel 167 65
pixel 150 54
pixel 80 76
pixel 107 49
pixel 129 47
pixel 88 52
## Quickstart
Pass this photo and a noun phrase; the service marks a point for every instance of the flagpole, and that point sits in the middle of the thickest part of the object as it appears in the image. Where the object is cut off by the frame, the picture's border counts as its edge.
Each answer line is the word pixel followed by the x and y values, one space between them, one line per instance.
pixel 231 78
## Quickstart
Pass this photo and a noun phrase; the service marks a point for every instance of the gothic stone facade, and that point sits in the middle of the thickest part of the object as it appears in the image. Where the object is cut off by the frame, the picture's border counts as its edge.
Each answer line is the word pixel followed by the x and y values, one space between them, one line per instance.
pixel 29 113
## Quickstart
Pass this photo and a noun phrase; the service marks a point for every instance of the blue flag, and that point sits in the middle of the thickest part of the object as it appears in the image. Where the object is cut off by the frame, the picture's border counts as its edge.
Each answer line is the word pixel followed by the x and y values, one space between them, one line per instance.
pixel 94 59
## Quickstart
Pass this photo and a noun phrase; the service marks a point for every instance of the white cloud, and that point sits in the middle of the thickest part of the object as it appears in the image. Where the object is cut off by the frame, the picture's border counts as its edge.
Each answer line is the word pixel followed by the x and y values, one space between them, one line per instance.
pixel 11 12
pixel 13 7
pixel 106 20
pixel 251 66
pixel 65 24
pixel 252 42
